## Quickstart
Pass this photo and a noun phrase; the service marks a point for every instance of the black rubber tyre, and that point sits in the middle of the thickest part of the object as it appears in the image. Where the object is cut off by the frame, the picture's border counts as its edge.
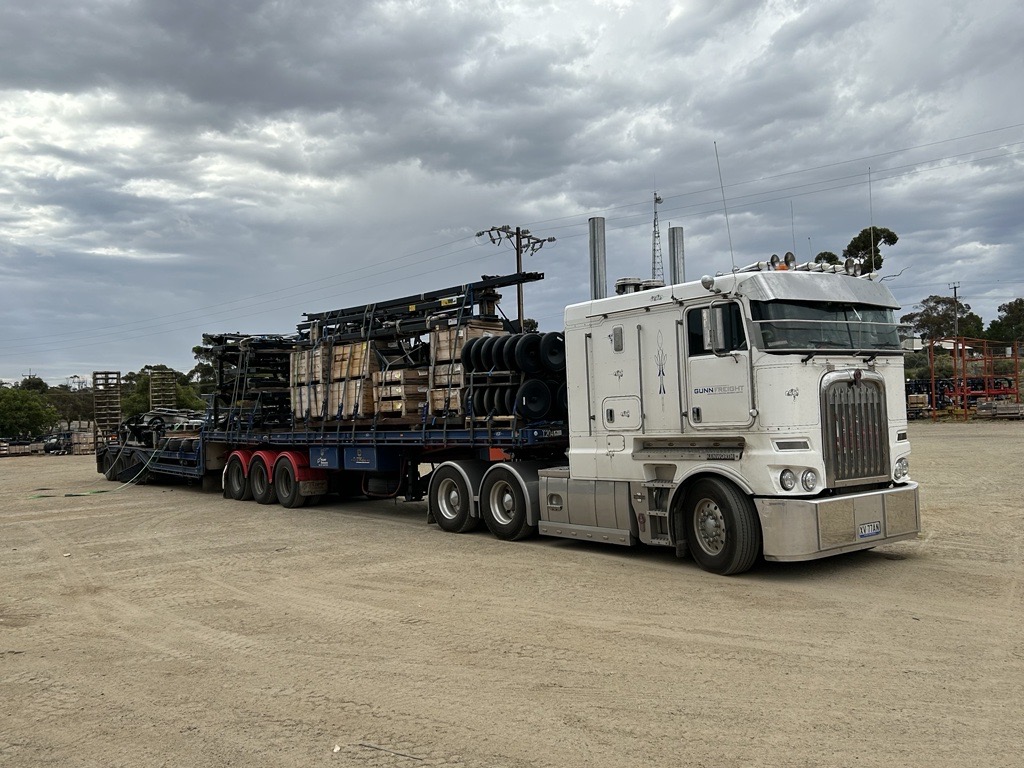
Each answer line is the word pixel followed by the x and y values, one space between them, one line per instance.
pixel 259 481
pixel 111 466
pixel 174 444
pixel 510 400
pixel 498 353
pixel 552 351
pixel 449 500
pixel 486 352
pixel 509 351
pixel 533 400
pixel 286 487
pixel 722 529
pixel 236 484
pixel 466 356
pixel 477 355
pixel 528 359
pixel 503 505
pixel 491 401
pixel 479 403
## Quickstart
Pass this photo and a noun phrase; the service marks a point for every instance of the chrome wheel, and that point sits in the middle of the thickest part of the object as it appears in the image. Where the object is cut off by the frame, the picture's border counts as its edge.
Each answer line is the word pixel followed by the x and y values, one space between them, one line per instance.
pixel 502 503
pixel 449 499
pixel 709 527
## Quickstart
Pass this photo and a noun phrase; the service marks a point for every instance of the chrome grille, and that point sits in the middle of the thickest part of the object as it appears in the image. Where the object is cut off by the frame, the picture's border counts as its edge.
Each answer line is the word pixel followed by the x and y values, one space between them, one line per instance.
pixel 855 429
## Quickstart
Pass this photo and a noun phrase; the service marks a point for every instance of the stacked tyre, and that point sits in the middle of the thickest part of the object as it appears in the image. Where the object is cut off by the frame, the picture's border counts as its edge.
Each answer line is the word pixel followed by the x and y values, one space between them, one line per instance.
pixel 539 390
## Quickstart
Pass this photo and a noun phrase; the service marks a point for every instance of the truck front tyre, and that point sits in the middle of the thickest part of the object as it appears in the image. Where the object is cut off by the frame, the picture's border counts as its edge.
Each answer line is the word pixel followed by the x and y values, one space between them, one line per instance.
pixel 236 484
pixel 449 500
pixel 286 487
pixel 259 480
pixel 722 528
pixel 504 505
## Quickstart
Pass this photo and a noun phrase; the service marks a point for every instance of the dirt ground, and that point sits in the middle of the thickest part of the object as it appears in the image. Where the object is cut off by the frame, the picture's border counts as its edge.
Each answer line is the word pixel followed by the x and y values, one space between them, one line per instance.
pixel 159 626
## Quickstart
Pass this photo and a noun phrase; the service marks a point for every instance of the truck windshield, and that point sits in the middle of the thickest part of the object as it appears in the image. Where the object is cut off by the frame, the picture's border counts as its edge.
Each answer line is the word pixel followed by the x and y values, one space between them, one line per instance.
pixel 801 326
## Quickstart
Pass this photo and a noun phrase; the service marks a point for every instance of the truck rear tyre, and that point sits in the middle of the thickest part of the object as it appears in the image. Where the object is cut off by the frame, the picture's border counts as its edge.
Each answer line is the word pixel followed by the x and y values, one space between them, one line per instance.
pixel 503 505
pixel 259 481
pixel 722 529
pixel 286 487
pixel 449 499
pixel 236 484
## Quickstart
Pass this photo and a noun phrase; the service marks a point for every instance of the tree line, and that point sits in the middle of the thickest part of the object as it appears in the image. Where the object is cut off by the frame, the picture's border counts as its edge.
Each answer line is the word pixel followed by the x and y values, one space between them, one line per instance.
pixel 32 407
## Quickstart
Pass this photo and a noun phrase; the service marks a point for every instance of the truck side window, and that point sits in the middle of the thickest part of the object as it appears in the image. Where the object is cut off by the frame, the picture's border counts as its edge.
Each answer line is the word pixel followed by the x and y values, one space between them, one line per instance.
pixel 617 343
pixel 735 338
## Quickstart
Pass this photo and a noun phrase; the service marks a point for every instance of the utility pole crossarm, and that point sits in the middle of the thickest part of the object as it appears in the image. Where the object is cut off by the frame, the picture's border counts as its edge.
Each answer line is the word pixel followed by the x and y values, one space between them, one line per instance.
pixel 522 240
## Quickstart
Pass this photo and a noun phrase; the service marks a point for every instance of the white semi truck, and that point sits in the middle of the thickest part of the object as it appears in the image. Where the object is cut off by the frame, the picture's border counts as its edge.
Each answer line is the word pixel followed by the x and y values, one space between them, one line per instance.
pixel 759 412
pixel 756 413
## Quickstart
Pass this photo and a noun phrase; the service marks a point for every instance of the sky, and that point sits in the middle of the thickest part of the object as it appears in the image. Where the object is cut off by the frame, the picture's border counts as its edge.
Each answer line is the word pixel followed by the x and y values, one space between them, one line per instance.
pixel 169 169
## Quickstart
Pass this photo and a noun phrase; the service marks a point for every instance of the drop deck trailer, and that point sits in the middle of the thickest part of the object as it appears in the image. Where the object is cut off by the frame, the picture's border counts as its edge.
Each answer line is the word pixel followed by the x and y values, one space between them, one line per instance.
pixel 757 413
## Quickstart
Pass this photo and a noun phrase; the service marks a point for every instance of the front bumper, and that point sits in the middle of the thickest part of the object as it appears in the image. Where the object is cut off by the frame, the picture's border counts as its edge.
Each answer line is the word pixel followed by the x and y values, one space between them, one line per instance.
pixel 806 529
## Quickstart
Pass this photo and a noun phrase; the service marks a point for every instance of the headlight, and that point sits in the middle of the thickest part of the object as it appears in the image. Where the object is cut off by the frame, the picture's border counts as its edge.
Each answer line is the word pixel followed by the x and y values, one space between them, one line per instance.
pixel 809 479
pixel 902 468
pixel 787 479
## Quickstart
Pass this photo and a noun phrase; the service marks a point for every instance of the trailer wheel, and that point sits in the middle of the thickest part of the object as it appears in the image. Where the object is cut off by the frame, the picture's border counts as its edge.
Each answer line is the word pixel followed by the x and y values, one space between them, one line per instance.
pixel 111 467
pixel 235 482
pixel 286 487
pixel 722 529
pixel 504 505
pixel 259 480
pixel 449 500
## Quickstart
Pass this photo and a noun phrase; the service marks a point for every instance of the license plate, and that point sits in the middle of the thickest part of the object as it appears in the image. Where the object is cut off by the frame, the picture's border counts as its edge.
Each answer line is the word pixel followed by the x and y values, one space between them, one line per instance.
pixel 867 530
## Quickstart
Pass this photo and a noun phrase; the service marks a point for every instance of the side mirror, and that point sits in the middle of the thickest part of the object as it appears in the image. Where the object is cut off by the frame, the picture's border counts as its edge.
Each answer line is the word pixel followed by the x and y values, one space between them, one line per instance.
pixel 713 322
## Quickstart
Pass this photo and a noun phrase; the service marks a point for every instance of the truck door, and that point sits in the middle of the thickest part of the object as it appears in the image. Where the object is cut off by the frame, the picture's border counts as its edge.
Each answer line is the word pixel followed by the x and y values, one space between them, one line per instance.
pixel 717 381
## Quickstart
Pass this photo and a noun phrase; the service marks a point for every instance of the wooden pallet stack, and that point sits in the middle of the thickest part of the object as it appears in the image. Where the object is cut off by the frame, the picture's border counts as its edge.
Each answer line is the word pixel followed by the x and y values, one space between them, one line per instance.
pixel 447 381
pixel 400 393
pixel 305 382
pixel 350 387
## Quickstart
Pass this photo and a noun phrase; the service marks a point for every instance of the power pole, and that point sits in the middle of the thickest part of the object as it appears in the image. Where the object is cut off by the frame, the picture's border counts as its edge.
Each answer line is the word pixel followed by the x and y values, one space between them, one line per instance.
pixel 523 242
pixel 657 268
pixel 956 311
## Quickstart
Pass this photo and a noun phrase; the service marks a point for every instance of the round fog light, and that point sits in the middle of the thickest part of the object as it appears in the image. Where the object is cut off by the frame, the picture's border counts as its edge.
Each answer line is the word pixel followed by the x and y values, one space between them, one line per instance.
pixel 809 479
pixel 787 480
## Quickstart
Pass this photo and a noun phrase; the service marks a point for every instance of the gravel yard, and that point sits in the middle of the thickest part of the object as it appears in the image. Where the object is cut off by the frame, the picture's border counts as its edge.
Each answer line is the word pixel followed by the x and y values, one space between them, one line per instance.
pixel 160 626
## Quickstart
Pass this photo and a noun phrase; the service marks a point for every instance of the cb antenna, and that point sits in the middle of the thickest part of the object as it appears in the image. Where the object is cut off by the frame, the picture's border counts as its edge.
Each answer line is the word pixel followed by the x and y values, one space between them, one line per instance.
pixel 725 208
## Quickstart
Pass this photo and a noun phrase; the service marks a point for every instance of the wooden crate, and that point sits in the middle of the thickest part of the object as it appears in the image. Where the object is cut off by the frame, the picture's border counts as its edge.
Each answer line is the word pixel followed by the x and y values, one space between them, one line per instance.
pixel 305 366
pixel 446 401
pixel 401 391
pixel 307 401
pixel 401 376
pixel 446 343
pixel 401 408
pixel 349 399
pixel 354 361
pixel 447 375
